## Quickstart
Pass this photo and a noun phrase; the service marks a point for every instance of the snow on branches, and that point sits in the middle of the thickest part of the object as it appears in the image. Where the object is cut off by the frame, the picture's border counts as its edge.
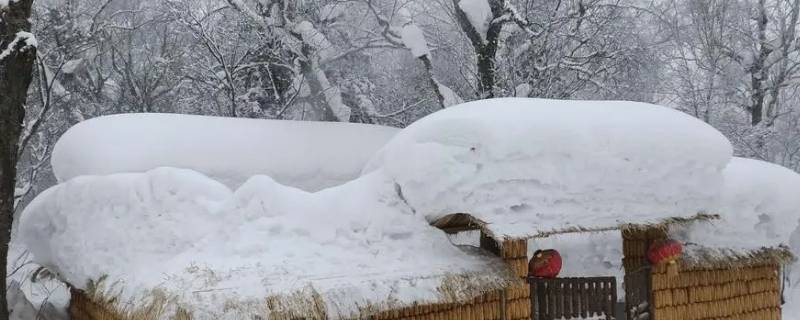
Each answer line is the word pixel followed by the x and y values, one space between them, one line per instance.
pixel 22 42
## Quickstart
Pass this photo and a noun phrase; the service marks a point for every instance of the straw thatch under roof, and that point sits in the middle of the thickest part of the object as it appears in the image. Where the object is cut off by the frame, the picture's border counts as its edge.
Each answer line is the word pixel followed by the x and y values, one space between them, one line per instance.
pixel 696 256
pixel 309 302
pixel 463 221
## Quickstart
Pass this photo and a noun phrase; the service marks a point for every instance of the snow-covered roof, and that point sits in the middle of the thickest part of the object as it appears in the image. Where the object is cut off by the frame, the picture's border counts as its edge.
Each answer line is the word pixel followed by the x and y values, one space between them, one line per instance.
pixel 521 167
pixel 207 246
pixel 303 154
pixel 534 167
pixel 759 213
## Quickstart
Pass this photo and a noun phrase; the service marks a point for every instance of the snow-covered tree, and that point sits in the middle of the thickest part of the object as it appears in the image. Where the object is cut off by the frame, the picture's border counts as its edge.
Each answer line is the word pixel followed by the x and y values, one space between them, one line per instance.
pixel 17 55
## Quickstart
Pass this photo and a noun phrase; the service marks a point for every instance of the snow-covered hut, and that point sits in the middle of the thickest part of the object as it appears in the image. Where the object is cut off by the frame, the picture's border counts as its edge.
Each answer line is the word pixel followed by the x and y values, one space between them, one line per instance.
pixel 731 267
pixel 198 245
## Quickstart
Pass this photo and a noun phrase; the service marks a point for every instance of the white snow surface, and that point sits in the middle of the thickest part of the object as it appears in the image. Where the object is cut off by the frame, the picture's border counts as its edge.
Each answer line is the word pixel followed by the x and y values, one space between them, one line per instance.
pixel 791 310
pixel 210 246
pixel 532 166
pixel 759 207
pixel 316 39
pixel 4 3
pixel 451 98
pixel 479 14
pixel 414 40
pixel 306 155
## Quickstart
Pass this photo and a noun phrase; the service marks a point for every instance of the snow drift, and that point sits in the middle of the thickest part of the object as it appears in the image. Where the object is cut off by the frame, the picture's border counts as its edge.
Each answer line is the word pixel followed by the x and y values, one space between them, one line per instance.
pixel 307 155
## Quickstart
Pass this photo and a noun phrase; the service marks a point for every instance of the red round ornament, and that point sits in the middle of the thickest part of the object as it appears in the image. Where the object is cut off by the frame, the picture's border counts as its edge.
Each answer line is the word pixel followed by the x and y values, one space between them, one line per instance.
pixel 545 264
pixel 664 251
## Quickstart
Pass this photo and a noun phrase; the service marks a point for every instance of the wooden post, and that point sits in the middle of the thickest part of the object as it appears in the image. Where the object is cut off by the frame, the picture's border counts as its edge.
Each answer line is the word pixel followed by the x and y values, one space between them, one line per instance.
pixel 503 302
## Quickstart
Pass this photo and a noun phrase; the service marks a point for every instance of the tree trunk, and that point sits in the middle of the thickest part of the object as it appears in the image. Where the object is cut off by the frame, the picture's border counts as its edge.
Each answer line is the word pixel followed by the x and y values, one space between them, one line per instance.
pixel 15 75
pixel 758 71
pixel 485 50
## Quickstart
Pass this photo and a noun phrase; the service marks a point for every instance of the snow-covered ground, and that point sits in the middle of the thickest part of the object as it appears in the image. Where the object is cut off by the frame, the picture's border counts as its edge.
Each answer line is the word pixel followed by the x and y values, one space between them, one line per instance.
pixel 227 211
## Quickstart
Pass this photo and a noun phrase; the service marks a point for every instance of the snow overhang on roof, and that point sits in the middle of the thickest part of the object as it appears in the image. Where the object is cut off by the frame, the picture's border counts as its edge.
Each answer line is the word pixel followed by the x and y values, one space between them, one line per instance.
pixel 303 154
pixel 759 212
pixel 532 167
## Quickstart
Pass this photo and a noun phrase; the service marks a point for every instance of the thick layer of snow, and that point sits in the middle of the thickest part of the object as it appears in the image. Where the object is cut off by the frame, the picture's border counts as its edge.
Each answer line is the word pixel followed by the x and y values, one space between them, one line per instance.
pixel 212 246
pixel 523 166
pixel 4 3
pixel 414 40
pixel 316 39
pixel 479 14
pixel 522 90
pixel 530 166
pixel 451 98
pixel 759 207
pixel 306 155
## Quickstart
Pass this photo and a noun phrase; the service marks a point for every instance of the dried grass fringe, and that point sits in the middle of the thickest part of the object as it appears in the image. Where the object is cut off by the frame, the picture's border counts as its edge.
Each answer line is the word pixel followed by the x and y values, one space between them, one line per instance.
pixel 700 257
pixel 662 224
pixel 303 304
pixel 157 304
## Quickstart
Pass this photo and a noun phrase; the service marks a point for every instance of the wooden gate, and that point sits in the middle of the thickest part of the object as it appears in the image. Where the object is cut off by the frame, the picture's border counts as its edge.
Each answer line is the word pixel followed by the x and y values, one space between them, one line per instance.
pixel 637 295
pixel 561 298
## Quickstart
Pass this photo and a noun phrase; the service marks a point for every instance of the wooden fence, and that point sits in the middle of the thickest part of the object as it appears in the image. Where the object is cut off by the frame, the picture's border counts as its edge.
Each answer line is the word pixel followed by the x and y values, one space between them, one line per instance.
pixel 561 298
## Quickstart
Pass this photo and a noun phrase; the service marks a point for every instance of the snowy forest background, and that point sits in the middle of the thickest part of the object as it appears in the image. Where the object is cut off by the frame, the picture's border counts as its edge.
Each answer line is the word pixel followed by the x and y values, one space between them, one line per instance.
pixel 732 63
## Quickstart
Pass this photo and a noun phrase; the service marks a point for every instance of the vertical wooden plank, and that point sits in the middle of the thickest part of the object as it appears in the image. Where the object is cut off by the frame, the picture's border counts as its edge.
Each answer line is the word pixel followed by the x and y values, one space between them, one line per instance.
pixel 503 304
pixel 541 296
pixel 560 299
pixel 603 296
pixel 607 305
pixel 579 296
pixel 534 300
pixel 572 298
pixel 554 299
pixel 600 296
pixel 563 297
pixel 579 302
pixel 613 297
pixel 586 287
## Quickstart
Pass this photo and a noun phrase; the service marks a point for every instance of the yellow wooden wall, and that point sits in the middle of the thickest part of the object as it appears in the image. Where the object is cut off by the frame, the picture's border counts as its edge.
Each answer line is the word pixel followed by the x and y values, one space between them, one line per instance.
pixel 746 292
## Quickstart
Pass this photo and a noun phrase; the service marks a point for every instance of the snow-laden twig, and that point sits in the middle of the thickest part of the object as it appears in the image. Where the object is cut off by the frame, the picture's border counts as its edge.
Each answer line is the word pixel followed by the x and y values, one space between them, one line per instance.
pixel 21 42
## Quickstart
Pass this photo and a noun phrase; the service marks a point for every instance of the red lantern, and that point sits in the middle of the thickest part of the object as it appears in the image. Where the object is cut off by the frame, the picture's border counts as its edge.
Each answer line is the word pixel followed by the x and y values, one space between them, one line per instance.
pixel 545 264
pixel 665 252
